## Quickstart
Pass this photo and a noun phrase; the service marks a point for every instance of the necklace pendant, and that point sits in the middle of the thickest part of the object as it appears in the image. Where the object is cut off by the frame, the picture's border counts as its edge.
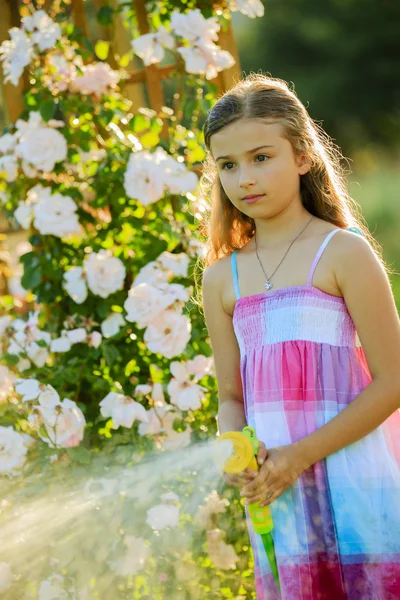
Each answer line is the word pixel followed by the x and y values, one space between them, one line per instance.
pixel 268 285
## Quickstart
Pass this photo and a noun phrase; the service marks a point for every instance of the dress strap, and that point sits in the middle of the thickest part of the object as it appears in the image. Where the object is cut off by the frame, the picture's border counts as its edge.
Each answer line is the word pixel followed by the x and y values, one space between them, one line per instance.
pixel 322 248
pixel 319 254
pixel 235 274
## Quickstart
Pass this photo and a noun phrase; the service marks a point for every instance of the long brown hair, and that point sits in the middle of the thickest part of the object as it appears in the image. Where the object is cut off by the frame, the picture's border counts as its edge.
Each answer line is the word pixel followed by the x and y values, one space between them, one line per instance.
pixel 324 193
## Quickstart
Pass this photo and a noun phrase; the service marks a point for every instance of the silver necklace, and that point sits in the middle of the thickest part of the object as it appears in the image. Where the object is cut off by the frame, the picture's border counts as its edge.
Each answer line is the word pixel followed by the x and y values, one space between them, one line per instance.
pixel 268 285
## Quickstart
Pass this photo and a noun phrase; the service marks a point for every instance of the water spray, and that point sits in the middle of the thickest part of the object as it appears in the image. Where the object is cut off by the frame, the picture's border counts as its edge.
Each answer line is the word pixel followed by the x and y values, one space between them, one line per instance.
pixel 245 450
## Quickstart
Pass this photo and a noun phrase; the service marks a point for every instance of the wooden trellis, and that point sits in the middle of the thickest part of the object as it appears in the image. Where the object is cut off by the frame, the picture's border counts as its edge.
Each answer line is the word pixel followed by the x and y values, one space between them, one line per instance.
pixel 148 77
pixel 151 76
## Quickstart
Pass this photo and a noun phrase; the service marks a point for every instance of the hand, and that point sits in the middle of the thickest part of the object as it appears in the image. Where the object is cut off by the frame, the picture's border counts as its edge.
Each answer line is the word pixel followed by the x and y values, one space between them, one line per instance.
pixel 244 477
pixel 280 470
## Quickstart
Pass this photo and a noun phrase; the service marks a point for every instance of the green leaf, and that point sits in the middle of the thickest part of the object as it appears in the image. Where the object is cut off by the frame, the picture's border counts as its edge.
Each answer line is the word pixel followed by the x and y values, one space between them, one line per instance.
pixel 110 353
pixel 156 374
pixel 31 278
pixel 140 123
pixel 150 139
pixel 47 109
pixel 125 60
pixel 11 359
pixel 102 49
pixel 88 44
pixel 104 16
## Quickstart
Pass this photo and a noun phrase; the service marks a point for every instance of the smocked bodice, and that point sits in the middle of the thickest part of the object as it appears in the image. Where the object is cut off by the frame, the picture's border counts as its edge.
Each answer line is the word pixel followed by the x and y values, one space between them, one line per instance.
pixel 296 313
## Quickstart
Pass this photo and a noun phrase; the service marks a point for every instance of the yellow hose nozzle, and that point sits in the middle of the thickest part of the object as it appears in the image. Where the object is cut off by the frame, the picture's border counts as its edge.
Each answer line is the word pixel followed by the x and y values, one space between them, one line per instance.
pixel 245 447
pixel 243 456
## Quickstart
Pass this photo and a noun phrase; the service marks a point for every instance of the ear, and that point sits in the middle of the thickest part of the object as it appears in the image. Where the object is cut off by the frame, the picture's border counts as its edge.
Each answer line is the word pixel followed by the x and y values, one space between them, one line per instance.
pixel 303 163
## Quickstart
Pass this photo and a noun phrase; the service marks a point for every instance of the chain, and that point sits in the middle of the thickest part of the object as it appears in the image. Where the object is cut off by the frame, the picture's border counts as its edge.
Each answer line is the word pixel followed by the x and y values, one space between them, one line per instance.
pixel 268 285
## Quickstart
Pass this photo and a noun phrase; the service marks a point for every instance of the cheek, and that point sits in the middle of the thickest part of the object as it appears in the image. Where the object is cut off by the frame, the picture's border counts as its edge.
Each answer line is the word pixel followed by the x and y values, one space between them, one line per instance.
pixel 226 183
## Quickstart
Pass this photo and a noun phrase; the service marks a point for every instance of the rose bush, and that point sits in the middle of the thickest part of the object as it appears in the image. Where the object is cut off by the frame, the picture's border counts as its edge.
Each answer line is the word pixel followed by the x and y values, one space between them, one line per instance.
pixel 111 369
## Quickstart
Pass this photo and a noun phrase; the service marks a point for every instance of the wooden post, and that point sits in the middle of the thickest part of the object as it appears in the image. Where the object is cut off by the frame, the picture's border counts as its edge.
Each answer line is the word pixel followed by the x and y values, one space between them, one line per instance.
pixel 227 78
pixel 79 15
pixel 9 17
pixel 152 78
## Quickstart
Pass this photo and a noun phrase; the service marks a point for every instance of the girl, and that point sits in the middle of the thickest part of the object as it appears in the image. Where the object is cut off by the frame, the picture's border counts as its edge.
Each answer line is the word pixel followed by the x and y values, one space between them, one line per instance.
pixel 306 343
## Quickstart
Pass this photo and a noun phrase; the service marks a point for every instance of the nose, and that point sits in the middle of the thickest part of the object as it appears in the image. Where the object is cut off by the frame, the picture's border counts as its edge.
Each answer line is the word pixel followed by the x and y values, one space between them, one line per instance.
pixel 246 180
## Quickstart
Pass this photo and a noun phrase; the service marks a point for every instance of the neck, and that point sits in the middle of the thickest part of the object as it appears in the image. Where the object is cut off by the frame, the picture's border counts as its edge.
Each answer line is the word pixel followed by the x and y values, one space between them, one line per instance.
pixel 282 228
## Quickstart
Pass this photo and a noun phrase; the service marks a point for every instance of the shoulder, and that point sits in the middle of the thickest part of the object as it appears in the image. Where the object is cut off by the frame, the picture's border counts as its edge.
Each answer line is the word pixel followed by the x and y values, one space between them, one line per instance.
pixel 347 244
pixel 216 275
pixel 354 257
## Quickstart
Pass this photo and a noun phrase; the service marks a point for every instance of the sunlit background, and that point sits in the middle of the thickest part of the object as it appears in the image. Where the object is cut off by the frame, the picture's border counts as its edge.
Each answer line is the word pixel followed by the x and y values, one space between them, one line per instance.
pixel 342 58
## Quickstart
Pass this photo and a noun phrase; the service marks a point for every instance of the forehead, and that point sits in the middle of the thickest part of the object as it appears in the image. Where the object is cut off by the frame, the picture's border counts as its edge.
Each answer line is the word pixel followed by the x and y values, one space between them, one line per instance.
pixel 244 134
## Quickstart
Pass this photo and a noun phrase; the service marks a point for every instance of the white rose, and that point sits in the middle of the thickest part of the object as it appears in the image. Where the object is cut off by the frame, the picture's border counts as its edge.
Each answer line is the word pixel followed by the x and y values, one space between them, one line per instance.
pixel 64 421
pixel 75 284
pixel 145 303
pixel 153 425
pixel 26 127
pixel 37 354
pixel 206 58
pixel 56 216
pixel 177 291
pixel 105 274
pixel 43 148
pixel 7 143
pixel 45 31
pixel 24 214
pixel 112 324
pixel 9 167
pixel 163 515
pixel 192 25
pixel 96 79
pixel 169 334
pixel 177 263
pixel 177 178
pixel 174 440
pixel 142 390
pixel 95 339
pixel 143 178
pixel 200 366
pixel 15 54
pixel 152 274
pixel 150 46
pixel 76 336
pixel 61 344
pixel 12 451
pixel 28 170
pixel 186 396
pixel 221 554
pixel 122 409
pixel 213 505
pixel 250 8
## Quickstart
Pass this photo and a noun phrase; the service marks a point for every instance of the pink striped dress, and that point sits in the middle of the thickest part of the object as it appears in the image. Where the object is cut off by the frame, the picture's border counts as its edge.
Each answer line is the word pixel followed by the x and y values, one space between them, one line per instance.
pixel 337 529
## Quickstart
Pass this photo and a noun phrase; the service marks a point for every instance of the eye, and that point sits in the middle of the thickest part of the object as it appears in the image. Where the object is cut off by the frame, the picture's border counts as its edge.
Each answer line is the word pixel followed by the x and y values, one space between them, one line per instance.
pixel 262 156
pixel 224 165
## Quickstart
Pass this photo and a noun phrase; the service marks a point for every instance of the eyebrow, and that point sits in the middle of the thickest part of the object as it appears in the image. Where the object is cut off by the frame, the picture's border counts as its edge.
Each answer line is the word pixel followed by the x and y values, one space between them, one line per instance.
pixel 248 151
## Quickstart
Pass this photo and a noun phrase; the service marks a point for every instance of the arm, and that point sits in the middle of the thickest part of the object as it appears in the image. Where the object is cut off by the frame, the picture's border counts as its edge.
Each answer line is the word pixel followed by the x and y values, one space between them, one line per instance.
pixel 231 415
pixel 369 299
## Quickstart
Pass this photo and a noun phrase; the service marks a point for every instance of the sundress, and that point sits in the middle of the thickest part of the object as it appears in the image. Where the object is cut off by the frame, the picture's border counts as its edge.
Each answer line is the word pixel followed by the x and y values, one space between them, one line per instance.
pixel 337 528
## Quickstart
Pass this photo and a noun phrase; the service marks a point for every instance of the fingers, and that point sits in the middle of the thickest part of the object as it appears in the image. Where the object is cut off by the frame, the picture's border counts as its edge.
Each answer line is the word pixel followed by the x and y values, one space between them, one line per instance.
pixel 262 453
pixel 239 479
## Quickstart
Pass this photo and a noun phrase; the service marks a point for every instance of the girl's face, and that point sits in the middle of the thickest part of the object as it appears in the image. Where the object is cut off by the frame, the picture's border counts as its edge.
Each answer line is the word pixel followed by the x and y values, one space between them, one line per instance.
pixel 254 158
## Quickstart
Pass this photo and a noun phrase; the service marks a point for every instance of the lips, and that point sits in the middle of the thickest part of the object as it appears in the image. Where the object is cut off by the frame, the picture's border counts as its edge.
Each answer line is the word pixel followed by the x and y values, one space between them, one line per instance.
pixel 252 198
